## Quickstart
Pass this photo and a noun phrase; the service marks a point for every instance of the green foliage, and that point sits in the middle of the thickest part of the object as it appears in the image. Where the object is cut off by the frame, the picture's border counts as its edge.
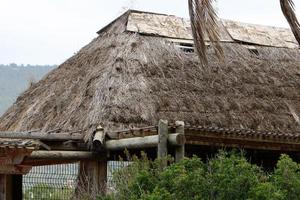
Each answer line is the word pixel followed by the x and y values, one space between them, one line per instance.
pixel 287 177
pixel 266 191
pixel 231 176
pixel 227 176
pixel 46 192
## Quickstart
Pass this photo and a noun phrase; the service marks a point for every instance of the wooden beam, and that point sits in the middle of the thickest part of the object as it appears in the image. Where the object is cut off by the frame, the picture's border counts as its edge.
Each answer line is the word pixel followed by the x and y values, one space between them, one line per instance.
pixel 179 151
pixel 175 139
pixel 202 140
pixel 162 147
pixel 42 136
pixel 42 162
pixel 63 155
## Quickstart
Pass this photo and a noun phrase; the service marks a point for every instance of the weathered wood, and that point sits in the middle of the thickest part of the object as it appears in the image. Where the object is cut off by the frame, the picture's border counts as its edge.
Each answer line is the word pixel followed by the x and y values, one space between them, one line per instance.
pixel 64 155
pixel 14 187
pixel 42 136
pixel 261 35
pixel 99 138
pixel 166 25
pixel 14 169
pixel 42 162
pixel 92 177
pixel 162 147
pixel 200 140
pixel 180 150
pixel 2 186
pixel 175 139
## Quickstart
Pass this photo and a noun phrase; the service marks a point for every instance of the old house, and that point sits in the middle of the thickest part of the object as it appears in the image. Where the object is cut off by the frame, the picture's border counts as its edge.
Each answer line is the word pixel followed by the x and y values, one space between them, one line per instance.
pixel 141 68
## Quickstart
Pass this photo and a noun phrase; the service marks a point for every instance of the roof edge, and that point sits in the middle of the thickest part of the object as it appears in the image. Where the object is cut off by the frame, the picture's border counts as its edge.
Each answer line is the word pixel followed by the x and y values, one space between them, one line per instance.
pixel 127 13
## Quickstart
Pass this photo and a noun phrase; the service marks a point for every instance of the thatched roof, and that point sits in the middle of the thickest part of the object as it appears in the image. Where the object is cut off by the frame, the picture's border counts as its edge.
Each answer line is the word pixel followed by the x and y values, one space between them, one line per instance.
pixel 131 78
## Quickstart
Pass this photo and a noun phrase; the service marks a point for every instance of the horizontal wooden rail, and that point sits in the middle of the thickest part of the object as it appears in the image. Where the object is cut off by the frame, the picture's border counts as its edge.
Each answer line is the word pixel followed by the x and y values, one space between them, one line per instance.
pixel 42 136
pixel 175 139
pixel 63 155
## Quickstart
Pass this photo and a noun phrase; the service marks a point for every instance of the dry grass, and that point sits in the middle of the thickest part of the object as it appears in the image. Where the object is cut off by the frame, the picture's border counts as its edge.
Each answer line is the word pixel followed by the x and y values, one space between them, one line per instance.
pixel 127 80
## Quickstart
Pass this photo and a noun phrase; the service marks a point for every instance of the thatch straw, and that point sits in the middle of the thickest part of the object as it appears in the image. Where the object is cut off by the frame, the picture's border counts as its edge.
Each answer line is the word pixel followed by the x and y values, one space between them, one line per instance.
pixel 127 80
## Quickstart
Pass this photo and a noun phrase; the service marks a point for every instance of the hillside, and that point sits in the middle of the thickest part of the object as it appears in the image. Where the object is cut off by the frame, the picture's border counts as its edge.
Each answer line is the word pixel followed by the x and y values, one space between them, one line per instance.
pixel 14 79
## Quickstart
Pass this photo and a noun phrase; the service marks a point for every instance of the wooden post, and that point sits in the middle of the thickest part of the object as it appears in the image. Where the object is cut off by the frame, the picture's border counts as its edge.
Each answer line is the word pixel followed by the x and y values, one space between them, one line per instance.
pixel 17 187
pixel 92 177
pixel 180 150
pixel 14 187
pixel 162 149
pixel 2 186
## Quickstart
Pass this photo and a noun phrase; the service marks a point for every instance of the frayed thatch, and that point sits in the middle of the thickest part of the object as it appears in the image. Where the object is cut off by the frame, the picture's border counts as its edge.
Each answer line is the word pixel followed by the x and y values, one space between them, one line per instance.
pixel 128 80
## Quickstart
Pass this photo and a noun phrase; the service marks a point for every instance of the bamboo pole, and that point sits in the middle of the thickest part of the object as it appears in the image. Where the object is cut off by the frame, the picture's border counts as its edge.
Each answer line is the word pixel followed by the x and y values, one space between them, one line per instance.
pixel 42 136
pixel 180 150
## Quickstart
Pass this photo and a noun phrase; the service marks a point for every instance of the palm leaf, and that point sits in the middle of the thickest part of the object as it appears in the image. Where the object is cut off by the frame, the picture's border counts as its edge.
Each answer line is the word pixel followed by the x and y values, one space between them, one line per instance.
pixel 288 9
pixel 204 21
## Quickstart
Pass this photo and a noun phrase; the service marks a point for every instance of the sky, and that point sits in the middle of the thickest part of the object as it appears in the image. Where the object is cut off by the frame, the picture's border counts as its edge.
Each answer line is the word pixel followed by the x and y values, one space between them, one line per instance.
pixel 50 31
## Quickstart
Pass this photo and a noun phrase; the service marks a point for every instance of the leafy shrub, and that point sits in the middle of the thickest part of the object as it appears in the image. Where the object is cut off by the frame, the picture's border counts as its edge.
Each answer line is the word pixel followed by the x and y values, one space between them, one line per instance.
pixel 227 176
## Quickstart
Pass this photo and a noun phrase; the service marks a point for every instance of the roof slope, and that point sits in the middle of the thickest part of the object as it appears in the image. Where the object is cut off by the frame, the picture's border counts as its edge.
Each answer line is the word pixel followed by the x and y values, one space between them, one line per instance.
pixel 123 80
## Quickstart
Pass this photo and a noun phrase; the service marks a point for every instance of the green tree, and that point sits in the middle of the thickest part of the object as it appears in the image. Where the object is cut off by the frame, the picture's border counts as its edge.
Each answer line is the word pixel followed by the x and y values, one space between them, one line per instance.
pixel 226 176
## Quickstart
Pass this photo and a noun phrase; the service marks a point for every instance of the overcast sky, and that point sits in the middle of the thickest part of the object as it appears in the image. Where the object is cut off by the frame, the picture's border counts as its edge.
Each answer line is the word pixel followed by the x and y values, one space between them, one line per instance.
pixel 50 31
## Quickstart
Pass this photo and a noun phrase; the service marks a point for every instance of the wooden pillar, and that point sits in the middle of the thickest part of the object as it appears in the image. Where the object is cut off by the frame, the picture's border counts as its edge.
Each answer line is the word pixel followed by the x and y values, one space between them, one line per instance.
pixel 92 177
pixel 14 187
pixel 162 148
pixel 180 150
pixel 17 187
pixel 2 186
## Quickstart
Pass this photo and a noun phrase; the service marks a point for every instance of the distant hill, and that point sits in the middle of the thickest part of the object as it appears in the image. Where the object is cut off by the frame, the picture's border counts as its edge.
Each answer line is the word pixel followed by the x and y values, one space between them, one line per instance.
pixel 14 79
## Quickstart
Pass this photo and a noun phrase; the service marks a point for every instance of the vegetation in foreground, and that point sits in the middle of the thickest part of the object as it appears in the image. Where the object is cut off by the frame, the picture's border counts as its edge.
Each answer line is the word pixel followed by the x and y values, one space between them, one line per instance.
pixel 227 176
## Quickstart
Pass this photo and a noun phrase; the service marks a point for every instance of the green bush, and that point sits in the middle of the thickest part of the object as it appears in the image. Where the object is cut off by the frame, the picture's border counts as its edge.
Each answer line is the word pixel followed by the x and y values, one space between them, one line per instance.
pixel 226 176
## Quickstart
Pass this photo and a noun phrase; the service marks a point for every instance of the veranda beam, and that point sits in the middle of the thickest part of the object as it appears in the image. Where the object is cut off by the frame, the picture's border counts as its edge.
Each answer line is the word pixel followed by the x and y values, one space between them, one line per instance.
pixel 42 136
pixel 63 155
pixel 176 139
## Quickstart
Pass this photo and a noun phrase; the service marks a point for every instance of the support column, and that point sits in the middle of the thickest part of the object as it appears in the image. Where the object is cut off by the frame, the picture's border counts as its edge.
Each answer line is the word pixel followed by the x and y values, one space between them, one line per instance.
pixel 92 177
pixel 180 150
pixel 17 187
pixel 14 189
pixel 162 148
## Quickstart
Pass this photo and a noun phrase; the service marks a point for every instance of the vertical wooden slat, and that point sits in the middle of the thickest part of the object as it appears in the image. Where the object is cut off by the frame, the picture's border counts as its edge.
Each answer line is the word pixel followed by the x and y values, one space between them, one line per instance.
pixel 180 151
pixel 2 186
pixel 162 149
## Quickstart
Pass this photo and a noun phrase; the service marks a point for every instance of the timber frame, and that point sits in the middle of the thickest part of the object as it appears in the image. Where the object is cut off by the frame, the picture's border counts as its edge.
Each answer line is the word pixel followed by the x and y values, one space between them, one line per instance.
pixel 177 139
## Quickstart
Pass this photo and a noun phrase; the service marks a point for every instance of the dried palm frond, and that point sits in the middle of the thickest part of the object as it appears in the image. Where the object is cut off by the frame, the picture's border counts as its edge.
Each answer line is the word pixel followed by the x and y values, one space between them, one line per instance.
pixel 288 9
pixel 204 20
